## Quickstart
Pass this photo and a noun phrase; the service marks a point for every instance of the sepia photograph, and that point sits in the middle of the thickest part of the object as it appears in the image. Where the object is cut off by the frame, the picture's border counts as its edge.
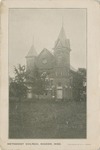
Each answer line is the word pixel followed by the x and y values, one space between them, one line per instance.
pixel 47 61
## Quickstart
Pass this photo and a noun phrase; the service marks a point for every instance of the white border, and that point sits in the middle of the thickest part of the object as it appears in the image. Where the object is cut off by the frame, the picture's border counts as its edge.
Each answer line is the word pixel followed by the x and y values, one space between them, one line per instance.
pixel 93 48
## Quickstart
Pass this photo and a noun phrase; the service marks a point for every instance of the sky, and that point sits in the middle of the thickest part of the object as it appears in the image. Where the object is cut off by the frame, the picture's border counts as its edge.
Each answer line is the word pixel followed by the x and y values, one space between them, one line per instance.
pixel 42 27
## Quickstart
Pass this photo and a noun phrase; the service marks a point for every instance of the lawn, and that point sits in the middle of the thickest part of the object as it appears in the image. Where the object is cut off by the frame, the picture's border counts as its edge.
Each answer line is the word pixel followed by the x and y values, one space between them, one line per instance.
pixel 47 119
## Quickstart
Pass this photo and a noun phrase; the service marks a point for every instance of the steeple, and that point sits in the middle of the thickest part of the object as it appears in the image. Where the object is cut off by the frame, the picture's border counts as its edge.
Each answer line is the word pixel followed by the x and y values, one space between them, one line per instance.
pixel 32 52
pixel 31 58
pixel 62 41
pixel 62 35
pixel 62 22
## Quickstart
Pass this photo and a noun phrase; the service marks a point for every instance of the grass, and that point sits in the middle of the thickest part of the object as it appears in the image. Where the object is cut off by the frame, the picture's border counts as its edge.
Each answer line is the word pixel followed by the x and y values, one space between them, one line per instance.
pixel 47 119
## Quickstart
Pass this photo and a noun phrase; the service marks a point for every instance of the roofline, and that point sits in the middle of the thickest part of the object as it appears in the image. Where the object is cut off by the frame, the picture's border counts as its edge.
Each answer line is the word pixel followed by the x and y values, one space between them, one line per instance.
pixel 47 51
pixel 62 47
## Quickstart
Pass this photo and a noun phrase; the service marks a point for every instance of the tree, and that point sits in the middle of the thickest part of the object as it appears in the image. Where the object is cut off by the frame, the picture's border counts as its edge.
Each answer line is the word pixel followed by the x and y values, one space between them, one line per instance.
pixel 82 72
pixel 79 84
pixel 18 85
pixel 27 78
pixel 36 80
pixel 38 87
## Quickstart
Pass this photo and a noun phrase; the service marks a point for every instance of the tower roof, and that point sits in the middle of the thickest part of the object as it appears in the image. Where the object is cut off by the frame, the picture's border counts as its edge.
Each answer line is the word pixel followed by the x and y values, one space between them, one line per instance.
pixel 62 41
pixel 62 34
pixel 32 52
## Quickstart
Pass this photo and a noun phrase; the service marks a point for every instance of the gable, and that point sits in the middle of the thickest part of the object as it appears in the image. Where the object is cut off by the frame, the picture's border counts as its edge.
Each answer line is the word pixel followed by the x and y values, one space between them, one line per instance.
pixel 45 60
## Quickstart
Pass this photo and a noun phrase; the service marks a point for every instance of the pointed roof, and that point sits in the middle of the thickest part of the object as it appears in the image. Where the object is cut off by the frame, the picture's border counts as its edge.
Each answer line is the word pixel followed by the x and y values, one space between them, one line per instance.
pixel 32 52
pixel 62 41
pixel 45 52
pixel 62 34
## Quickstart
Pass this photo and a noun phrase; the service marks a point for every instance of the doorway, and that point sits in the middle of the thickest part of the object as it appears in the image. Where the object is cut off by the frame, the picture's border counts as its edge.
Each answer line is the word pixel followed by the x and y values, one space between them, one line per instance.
pixel 59 93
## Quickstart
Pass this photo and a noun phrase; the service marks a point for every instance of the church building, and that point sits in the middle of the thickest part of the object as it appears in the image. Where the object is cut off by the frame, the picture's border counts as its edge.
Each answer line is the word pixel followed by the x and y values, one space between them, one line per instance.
pixel 56 65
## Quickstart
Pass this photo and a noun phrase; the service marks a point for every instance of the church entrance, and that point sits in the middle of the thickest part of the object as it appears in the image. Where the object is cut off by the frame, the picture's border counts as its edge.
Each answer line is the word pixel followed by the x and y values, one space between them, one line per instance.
pixel 59 93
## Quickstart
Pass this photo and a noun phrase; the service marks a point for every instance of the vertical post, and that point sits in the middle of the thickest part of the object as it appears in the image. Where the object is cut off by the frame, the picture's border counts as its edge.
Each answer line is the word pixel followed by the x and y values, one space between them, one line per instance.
pixel 29 93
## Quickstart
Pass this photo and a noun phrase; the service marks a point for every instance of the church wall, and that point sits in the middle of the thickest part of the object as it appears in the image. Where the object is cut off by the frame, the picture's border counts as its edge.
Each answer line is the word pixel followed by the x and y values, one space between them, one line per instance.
pixel 45 61
pixel 31 63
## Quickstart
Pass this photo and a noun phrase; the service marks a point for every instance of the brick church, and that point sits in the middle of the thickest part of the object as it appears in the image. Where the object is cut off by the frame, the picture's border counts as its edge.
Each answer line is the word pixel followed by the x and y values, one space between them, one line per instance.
pixel 56 65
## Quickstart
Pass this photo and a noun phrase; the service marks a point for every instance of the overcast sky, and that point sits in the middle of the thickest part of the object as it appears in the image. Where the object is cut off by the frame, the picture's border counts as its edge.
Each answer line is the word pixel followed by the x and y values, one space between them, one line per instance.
pixel 43 25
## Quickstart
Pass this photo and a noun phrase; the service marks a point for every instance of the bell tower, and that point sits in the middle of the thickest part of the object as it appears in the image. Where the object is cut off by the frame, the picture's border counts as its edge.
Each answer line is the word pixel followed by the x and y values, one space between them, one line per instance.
pixel 62 63
pixel 62 50
pixel 31 59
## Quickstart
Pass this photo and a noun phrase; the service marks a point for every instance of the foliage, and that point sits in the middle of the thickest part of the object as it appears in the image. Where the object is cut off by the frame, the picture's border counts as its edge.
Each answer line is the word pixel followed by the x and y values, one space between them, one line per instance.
pixel 23 79
pixel 79 84
pixel 17 90
pixel 17 85
pixel 20 74
pixel 37 81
